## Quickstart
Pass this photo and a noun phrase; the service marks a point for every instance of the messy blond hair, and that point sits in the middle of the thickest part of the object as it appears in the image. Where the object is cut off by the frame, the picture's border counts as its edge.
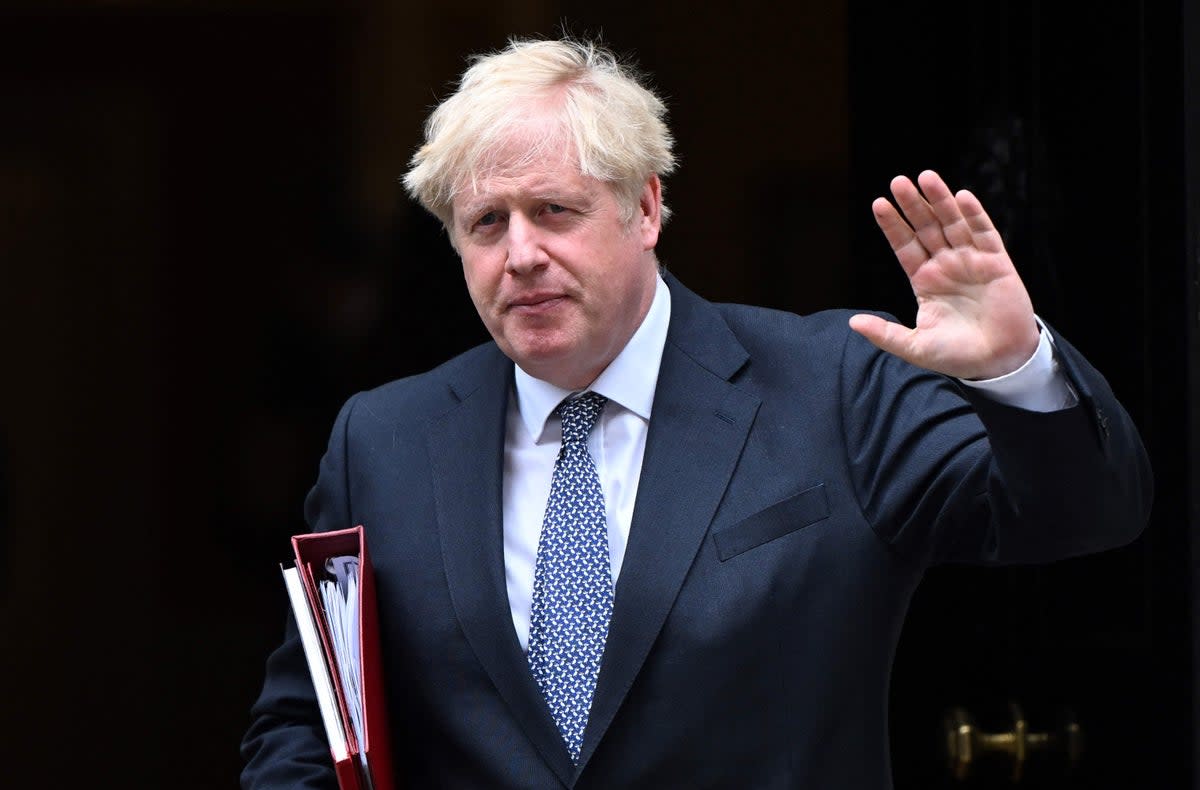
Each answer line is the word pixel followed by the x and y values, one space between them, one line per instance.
pixel 615 127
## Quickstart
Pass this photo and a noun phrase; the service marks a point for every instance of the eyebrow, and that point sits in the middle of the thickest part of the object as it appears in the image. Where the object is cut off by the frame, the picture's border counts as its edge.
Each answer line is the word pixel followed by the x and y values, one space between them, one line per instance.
pixel 549 189
pixel 472 207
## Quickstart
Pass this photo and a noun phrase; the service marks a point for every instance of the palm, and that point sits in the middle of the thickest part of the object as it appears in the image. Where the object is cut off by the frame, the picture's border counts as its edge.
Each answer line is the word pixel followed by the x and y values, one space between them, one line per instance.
pixel 974 317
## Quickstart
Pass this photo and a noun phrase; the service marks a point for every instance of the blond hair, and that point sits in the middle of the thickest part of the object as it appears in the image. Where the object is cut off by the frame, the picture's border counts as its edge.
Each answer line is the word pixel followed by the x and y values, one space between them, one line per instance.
pixel 615 126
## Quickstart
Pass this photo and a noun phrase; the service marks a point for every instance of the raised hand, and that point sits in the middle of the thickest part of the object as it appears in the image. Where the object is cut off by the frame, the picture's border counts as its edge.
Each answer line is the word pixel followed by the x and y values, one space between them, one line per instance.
pixel 974 317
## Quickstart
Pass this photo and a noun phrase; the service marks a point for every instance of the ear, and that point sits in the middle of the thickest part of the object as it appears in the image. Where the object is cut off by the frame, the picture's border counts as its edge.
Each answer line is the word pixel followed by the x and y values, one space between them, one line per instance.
pixel 649 216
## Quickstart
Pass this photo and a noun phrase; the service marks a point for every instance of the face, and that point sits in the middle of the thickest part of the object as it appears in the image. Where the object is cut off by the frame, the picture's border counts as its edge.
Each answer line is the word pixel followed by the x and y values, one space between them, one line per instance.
pixel 559 278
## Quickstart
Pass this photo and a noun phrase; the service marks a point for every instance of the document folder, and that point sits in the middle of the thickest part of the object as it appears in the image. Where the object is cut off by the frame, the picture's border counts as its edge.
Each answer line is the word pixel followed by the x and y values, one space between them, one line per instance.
pixel 361 761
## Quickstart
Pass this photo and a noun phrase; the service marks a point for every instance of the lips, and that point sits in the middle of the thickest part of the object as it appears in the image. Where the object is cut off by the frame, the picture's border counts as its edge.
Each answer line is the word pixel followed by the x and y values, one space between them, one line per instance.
pixel 535 302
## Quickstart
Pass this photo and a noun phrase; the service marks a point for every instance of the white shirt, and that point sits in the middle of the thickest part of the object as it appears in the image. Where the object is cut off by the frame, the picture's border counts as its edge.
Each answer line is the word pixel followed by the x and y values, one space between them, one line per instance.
pixel 533 434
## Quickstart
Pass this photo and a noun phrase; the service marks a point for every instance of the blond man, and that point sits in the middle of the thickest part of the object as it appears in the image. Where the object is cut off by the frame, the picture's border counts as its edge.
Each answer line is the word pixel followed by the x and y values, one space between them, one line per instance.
pixel 702 586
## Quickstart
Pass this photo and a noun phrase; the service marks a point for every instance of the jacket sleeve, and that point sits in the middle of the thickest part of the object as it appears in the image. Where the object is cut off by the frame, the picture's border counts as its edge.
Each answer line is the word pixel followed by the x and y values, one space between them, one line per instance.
pixel 948 475
pixel 285 746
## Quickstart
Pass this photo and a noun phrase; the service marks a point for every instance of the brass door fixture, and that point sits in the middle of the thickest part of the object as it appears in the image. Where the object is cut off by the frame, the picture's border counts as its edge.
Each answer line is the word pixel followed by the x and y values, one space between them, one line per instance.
pixel 966 743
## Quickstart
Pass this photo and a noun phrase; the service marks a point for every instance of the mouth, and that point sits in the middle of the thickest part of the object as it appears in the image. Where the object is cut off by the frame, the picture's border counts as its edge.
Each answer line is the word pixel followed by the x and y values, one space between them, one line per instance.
pixel 535 303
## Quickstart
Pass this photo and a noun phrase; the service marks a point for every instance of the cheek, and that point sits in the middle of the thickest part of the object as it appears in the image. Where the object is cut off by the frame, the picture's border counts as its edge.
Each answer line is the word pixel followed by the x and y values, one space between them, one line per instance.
pixel 625 275
pixel 480 285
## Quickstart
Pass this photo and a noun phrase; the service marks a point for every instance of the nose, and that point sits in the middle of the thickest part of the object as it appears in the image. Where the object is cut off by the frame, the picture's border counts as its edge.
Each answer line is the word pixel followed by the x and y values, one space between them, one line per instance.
pixel 525 251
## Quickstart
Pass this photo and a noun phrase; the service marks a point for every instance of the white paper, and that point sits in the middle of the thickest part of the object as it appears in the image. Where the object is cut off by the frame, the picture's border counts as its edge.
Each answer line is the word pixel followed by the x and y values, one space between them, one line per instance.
pixel 339 596
pixel 315 655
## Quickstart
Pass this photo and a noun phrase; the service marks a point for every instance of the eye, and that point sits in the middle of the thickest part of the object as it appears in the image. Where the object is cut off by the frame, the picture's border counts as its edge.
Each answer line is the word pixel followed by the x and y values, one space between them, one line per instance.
pixel 554 208
pixel 490 218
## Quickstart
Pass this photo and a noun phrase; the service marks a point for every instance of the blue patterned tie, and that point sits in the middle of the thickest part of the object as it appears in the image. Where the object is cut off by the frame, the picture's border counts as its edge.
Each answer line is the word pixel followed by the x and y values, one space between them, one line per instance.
pixel 572 582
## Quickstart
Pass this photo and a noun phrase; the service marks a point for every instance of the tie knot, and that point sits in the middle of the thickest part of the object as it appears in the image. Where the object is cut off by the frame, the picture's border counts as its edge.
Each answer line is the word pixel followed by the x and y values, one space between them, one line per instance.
pixel 579 415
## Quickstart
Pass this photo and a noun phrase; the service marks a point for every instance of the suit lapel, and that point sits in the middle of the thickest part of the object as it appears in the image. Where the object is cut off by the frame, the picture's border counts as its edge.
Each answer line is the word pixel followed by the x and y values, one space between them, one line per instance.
pixel 466 449
pixel 698 427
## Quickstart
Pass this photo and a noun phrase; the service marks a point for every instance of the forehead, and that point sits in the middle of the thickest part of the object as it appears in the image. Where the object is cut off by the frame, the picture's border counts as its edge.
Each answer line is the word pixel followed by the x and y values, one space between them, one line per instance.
pixel 522 168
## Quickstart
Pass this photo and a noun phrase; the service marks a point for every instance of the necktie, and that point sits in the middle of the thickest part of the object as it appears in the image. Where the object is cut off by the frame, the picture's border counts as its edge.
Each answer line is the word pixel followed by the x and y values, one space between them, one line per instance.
pixel 572 579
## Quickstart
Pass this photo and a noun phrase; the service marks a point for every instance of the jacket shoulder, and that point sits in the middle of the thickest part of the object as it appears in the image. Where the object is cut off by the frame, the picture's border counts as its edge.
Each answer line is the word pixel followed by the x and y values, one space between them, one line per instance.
pixel 427 394
pixel 764 330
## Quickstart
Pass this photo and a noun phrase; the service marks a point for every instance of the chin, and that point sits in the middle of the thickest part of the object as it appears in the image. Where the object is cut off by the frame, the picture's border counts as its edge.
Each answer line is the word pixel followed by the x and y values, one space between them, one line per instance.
pixel 544 365
pixel 552 365
pixel 539 348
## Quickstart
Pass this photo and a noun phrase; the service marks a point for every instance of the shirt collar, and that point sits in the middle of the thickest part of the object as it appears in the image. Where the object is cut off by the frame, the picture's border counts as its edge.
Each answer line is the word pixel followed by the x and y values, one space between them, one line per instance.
pixel 629 380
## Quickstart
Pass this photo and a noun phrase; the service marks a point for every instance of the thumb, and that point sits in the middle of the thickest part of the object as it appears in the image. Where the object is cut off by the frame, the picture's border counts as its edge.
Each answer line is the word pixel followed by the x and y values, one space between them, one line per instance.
pixel 887 335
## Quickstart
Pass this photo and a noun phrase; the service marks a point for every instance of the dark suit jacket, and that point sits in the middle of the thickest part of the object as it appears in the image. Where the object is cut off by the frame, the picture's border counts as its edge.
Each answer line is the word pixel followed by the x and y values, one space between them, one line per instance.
pixel 796 484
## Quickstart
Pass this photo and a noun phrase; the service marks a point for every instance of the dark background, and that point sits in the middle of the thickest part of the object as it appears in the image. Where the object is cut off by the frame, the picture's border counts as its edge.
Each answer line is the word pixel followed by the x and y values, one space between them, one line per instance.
pixel 205 249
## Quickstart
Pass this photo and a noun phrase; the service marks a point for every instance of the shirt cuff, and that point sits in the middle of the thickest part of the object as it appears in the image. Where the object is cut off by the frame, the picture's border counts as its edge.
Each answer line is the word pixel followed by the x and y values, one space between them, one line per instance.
pixel 1038 385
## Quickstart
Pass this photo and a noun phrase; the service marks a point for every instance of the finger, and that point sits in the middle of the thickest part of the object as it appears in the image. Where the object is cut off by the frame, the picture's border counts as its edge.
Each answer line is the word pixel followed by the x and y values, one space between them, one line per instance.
pixel 945 208
pixel 983 232
pixel 887 335
pixel 919 215
pixel 900 236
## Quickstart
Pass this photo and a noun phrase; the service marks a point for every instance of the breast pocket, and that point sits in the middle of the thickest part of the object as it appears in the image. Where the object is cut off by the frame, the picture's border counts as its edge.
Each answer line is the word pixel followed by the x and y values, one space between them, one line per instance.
pixel 782 518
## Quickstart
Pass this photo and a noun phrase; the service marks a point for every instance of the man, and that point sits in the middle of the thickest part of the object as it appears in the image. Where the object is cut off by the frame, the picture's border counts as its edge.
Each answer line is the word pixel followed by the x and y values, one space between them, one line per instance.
pixel 694 573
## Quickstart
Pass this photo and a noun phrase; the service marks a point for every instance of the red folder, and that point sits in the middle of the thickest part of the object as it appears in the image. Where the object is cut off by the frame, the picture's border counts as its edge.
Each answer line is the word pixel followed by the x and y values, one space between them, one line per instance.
pixel 353 771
